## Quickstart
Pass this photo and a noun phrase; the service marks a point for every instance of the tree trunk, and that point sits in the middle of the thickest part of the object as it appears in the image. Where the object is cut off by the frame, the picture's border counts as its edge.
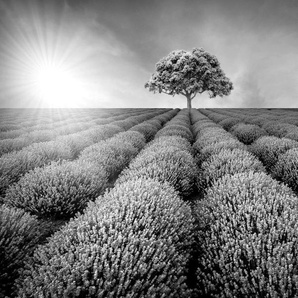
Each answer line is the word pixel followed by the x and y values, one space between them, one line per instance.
pixel 188 101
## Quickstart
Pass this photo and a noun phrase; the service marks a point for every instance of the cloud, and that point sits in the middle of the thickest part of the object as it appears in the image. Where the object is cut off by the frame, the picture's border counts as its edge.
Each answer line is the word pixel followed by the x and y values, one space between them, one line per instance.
pixel 113 46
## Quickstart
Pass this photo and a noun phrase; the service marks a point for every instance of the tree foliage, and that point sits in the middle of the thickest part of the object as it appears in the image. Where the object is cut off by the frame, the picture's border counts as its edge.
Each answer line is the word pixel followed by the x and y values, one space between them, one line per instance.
pixel 189 73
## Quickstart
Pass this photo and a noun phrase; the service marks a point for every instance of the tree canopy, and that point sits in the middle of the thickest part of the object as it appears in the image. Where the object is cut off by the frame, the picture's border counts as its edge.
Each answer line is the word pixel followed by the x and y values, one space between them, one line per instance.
pixel 189 73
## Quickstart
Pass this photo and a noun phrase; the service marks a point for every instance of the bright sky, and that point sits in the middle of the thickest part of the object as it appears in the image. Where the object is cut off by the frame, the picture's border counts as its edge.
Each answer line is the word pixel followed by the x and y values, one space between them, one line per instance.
pixel 107 50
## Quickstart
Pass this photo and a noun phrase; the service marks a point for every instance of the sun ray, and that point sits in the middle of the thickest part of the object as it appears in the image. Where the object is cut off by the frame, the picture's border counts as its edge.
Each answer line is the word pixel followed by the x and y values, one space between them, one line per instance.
pixel 43 60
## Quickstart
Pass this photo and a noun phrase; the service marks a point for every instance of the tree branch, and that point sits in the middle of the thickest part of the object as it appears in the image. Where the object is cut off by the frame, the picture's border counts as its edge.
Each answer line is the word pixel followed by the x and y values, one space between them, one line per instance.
pixel 193 95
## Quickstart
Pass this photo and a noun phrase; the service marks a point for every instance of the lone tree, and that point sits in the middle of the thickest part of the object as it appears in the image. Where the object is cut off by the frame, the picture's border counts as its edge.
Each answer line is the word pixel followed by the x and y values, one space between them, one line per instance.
pixel 189 73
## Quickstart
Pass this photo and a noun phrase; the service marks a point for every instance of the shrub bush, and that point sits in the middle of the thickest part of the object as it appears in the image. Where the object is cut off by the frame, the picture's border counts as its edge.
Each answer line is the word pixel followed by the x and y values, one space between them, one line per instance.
pixel 171 164
pixel 155 122
pixel 163 118
pixel 73 128
pixel 212 131
pixel 102 132
pixel 229 122
pixel 18 236
pixel 179 120
pixel 11 134
pixel 196 116
pixel 58 190
pixel 291 120
pixel 257 120
pixel 15 164
pixel 9 127
pixel 76 142
pixel 136 139
pixel 147 129
pixel 133 242
pixel 37 136
pixel 170 141
pixel 216 117
pixel 9 145
pixel 205 111
pixel 226 162
pixel 247 133
pixel 293 135
pixel 279 129
pixel 200 126
pixel 268 149
pixel 211 136
pixel 112 155
pixel 102 121
pixel 248 238
pixel 215 148
pixel 286 168
pixel 176 130
pixel 125 124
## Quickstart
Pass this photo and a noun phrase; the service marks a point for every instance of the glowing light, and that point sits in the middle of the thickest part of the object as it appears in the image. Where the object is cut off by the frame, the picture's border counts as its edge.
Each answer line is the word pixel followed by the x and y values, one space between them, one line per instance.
pixel 55 85
pixel 46 61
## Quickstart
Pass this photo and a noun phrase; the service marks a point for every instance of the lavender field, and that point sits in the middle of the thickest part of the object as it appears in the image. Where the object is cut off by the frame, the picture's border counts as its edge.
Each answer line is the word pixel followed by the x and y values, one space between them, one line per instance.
pixel 148 202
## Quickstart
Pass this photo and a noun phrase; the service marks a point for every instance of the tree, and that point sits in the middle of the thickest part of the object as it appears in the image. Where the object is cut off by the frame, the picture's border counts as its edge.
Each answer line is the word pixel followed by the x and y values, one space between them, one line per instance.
pixel 189 73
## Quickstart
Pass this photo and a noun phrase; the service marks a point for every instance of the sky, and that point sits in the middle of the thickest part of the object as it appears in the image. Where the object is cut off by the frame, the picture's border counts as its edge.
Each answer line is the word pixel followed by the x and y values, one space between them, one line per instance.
pixel 109 49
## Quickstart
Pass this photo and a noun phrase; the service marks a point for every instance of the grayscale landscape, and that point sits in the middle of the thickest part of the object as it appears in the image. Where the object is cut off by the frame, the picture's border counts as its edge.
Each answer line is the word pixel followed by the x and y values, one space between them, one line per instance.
pixel 148 148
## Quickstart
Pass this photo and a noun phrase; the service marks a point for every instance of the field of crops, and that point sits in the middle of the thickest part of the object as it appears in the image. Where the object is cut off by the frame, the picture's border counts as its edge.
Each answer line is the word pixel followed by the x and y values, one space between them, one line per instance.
pixel 149 203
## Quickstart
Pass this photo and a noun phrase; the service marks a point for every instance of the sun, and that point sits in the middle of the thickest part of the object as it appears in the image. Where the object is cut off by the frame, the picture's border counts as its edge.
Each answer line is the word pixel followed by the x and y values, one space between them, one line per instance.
pixel 48 64
pixel 55 85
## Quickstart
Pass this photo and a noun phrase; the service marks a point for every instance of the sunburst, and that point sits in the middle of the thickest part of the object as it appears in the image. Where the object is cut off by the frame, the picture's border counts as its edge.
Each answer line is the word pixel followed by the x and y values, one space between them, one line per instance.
pixel 43 57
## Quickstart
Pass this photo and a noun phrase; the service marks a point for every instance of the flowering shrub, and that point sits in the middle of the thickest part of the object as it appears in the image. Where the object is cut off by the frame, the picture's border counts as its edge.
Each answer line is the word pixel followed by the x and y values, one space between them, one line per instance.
pixel 176 130
pixel 9 145
pixel 291 120
pixel 269 148
pixel 18 235
pixel 257 120
pixel 227 162
pixel 248 233
pixel 180 120
pixel 229 122
pixel 58 190
pixel 293 135
pixel 103 132
pixel 156 122
pixel 216 117
pixel 102 121
pixel 247 133
pixel 147 129
pixel 215 148
pixel 125 124
pixel 200 126
pixel 114 154
pixel 286 168
pixel 132 242
pixel 167 164
pixel 211 136
pixel 11 134
pixel 15 164
pixel 196 116
pixel 211 131
pixel 279 129
pixel 163 118
pixel 205 112
pixel 37 136
pixel 71 127
pixel 76 142
pixel 136 139
pixel 9 128
pixel 170 141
